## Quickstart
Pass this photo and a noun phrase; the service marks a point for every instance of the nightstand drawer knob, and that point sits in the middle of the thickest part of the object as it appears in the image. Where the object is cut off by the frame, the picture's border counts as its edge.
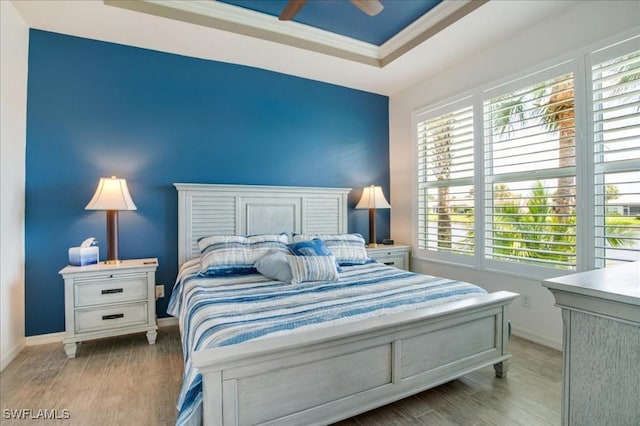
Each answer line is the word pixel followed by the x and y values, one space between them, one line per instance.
pixel 113 290
pixel 389 263
pixel 112 316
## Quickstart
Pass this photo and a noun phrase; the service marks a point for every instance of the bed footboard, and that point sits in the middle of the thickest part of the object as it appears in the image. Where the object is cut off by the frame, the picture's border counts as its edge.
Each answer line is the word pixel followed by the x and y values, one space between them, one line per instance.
pixel 326 375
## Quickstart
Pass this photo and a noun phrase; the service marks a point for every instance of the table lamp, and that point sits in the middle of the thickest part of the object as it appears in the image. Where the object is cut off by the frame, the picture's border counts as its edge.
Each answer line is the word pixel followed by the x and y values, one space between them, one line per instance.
pixel 372 199
pixel 112 195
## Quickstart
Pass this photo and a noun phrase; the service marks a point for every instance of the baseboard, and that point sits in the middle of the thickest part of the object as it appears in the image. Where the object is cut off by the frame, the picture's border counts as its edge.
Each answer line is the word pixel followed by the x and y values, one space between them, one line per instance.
pixel 11 354
pixel 537 338
pixel 45 339
pixel 167 322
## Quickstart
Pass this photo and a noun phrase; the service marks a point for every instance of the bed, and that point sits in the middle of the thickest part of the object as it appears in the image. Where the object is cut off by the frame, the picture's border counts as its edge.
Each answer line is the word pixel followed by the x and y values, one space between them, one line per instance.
pixel 318 374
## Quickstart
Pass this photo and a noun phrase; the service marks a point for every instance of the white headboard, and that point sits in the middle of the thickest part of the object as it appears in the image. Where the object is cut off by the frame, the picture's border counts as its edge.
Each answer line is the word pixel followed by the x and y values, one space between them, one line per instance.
pixel 205 209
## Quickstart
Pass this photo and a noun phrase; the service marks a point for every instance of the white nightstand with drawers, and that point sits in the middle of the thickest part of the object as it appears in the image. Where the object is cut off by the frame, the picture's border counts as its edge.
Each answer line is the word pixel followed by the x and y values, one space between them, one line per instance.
pixel 105 300
pixel 392 255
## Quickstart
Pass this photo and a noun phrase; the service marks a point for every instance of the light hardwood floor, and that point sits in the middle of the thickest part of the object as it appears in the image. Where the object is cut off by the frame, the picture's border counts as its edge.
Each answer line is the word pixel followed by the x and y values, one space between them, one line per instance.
pixel 125 381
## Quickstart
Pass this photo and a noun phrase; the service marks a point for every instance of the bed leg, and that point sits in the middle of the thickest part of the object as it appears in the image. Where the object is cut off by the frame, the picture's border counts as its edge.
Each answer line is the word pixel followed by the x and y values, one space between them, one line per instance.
pixel 501 369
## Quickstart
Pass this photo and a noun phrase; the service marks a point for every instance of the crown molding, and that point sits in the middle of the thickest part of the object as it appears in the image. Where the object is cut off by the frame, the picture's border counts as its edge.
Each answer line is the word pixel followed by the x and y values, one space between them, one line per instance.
pixel 266 22
pixel 437 19
pixel 227 17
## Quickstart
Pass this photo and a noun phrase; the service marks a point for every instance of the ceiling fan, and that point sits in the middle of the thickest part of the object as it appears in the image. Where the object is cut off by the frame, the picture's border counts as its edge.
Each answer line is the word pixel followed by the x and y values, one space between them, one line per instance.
pixel 370 7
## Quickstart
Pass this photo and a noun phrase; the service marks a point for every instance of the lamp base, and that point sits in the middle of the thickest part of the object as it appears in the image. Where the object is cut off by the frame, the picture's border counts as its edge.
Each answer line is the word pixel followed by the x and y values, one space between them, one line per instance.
pixel 112 238
pixel 372 245
pixel 372 228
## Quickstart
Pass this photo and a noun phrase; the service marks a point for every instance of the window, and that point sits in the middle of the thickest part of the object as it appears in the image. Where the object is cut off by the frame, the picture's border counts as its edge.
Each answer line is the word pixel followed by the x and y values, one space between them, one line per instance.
pixel 530 214
pixel 445 182
pixel 502 171
pixel 616 120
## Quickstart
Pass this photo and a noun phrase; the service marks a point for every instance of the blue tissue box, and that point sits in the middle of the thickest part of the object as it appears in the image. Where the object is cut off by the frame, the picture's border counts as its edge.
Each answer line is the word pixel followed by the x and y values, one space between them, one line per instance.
pixel 82 256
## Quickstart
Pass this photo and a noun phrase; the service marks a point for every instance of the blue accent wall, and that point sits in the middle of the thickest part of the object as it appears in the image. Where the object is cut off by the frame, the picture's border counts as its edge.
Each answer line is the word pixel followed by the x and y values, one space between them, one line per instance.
pixel 98 109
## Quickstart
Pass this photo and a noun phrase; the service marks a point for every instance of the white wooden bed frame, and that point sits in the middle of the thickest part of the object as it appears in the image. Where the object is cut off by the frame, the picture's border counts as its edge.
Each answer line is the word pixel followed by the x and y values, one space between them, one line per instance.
pixel 325 375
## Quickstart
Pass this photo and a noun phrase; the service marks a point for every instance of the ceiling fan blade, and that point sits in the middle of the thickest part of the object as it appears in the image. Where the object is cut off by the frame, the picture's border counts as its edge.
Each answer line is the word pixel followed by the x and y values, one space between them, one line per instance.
pixel 291 9
pixel 370 7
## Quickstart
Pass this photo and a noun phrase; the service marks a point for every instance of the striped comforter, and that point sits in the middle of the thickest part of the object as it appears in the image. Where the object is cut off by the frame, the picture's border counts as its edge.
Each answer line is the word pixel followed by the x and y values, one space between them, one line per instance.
pixel 228 310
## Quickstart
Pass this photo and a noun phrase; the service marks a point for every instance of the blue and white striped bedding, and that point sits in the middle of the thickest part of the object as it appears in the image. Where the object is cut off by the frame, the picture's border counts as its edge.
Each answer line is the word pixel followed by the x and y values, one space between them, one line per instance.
pixel 220 311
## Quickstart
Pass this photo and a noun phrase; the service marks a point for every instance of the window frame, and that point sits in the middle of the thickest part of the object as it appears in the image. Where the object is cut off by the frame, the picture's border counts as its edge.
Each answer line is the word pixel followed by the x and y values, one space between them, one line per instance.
pixel 579 63
pixel 530 79
pixel 417 118
pixel 598 56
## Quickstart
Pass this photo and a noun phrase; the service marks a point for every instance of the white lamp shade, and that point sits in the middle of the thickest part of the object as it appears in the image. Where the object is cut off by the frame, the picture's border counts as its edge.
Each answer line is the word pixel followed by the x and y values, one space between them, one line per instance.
pixel 112 194
pixel 373 198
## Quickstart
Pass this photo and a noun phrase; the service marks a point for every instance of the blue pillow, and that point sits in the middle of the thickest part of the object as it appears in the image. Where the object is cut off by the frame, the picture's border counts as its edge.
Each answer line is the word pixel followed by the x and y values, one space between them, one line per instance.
pixel 349 249
pixel 275 266
pixel 314 247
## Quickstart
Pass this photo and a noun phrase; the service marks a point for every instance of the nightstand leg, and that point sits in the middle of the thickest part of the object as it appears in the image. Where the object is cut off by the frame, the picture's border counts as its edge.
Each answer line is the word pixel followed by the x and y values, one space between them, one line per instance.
pixel 70 349
pixel 151 336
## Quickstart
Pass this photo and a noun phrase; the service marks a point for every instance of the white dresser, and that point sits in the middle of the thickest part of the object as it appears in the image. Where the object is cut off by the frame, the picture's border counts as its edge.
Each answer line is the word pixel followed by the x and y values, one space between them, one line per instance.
pixel 601 345
pixel 392 255
pixel 108 300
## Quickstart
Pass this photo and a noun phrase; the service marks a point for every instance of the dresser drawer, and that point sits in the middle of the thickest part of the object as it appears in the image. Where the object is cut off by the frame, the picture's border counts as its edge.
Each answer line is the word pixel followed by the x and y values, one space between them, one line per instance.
pixel 396 261
pixel 111 317
pixel 114 288
pixel 391 255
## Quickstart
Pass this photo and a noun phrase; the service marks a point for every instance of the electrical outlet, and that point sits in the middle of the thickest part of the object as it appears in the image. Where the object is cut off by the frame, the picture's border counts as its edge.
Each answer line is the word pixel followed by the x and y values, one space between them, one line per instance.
pixel 159 291
pixel 525 300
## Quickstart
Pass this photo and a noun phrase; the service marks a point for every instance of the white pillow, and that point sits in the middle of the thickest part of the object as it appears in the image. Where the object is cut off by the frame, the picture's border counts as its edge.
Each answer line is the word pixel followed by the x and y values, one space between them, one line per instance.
pixel 312 268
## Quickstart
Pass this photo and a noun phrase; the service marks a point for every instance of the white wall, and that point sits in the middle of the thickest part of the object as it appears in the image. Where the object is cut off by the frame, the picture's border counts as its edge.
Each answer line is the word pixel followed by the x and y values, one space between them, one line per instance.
pixel 579 25
pixel 14 45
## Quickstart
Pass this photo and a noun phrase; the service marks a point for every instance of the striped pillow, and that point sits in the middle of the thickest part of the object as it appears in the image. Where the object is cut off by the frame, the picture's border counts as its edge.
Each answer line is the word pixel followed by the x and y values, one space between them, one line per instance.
pixel 312 268
pixel 348 249
pixel 237 254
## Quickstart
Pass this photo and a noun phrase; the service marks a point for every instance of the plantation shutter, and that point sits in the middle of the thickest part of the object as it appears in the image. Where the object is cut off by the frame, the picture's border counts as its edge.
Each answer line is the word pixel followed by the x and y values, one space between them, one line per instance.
pixel 445 182
pixel 616 119
pixel 530 175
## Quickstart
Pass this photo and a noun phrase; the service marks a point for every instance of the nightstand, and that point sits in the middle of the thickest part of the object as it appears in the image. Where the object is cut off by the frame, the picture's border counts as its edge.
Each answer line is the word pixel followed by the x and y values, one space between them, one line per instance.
pixel 392 255
pixel 105 300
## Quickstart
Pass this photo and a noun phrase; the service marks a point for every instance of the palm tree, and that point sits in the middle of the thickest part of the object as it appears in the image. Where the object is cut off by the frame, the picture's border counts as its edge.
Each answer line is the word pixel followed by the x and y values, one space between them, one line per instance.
pixel 559 116
pixel 550 104
pixel 534 231
pixel 441 162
